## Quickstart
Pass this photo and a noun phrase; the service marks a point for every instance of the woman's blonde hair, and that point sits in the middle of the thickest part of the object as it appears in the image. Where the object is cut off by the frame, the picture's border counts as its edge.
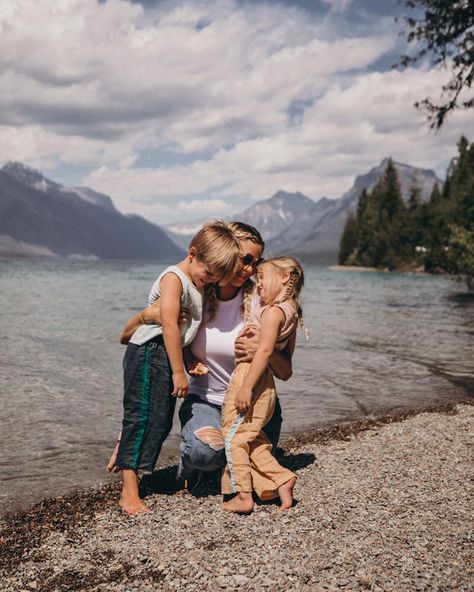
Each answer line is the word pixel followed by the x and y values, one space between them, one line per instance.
pixel 282 265
pixel 241 232
pixel 217 247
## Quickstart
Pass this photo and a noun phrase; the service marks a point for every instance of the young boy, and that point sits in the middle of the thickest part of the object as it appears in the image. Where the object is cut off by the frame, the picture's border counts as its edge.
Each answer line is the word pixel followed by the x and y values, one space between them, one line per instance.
pixel 153 366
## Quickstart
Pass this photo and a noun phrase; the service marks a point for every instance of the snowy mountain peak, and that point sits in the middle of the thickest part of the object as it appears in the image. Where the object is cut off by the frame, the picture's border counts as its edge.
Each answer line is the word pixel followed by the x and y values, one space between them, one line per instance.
pixel 27 175
pixel 36 180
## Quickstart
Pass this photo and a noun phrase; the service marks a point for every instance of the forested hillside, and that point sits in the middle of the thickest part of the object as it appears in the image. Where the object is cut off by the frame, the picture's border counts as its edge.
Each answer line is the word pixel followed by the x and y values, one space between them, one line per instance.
pixel 387 233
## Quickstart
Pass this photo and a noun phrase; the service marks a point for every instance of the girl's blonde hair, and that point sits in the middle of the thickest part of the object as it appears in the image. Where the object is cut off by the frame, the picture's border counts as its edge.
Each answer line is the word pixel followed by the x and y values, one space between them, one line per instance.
pixel 217 247
pixel 241 232
pixel 282 265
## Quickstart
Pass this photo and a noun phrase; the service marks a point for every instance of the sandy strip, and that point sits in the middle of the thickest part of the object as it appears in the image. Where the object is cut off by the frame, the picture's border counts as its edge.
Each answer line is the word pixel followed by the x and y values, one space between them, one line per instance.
pixel 381 505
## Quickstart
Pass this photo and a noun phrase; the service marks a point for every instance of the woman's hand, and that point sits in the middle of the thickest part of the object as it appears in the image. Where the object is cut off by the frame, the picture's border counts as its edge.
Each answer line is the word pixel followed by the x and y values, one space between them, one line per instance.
pixel 180 384
pixel 246 344
pixel 152 314
pixel 243 399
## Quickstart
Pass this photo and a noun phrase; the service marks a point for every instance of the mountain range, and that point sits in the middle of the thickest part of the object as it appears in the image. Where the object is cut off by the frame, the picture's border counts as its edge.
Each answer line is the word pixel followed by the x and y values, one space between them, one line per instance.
pixel 41 217
pixel 295 224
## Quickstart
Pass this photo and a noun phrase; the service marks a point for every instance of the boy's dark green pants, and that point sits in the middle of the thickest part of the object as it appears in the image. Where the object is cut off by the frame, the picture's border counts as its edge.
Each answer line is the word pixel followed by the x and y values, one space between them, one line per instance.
pixel 147 403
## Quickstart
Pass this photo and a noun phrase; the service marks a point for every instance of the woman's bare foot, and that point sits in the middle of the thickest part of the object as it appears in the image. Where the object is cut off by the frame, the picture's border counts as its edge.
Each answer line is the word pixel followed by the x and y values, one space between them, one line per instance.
pixel 242 503
pixel 111 466
pixel 285 493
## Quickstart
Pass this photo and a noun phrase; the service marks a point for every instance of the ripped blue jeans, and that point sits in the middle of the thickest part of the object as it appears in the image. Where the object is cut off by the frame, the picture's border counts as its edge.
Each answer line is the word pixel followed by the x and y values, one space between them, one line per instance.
pixel 202 446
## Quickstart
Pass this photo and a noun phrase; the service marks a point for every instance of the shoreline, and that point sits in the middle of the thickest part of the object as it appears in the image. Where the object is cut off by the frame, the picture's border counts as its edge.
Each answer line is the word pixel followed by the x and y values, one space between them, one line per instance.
pixel 321 434
pixel 419 270
pixel 88 530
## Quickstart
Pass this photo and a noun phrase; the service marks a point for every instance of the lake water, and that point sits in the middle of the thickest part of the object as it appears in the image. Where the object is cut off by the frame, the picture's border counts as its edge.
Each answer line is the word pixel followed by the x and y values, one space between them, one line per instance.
pixel 378 342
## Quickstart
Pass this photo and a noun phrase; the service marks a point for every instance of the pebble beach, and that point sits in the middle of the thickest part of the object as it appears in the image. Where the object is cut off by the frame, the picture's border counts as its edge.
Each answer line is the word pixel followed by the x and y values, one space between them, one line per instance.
pixel 382 504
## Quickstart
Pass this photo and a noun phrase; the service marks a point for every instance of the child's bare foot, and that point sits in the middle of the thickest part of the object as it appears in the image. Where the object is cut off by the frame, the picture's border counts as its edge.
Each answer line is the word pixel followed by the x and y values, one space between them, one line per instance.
pixel 111 466
pixel 132 505
pixel 242 503
pixel 285 493
pixel 130 501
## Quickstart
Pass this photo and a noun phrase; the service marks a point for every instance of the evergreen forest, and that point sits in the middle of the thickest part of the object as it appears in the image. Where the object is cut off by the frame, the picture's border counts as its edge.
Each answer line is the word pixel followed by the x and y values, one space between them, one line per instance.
pixel 437 236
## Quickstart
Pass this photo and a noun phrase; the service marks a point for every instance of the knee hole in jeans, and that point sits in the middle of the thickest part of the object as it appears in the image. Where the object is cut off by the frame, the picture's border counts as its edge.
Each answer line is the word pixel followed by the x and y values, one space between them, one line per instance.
pixel 211 436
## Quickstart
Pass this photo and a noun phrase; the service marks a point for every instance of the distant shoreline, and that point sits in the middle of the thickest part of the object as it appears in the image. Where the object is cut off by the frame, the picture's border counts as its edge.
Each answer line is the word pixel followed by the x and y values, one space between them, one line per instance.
pixel 376 269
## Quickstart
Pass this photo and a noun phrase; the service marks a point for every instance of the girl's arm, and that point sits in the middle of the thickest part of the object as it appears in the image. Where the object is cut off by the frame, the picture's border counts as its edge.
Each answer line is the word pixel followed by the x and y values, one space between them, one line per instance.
pixel 171 290
pixel 272 321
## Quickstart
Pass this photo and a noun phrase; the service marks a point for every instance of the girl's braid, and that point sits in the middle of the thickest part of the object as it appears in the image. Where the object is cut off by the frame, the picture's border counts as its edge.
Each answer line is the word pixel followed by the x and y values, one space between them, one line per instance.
pixel 294 285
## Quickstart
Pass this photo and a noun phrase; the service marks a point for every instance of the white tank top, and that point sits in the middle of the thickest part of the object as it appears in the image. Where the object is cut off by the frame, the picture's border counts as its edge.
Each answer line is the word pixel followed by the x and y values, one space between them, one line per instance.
pixel 214 346
pixel 191 298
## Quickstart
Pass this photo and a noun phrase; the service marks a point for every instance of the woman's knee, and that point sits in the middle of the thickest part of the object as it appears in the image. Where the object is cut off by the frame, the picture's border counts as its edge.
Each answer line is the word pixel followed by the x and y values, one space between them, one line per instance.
pixel 204 449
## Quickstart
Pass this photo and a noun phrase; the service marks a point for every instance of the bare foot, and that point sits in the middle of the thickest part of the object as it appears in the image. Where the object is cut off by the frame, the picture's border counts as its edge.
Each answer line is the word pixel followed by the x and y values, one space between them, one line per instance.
pixel 132 505
pixel 111 466
pixel 130 501
pixel 285 492
pixel 242 503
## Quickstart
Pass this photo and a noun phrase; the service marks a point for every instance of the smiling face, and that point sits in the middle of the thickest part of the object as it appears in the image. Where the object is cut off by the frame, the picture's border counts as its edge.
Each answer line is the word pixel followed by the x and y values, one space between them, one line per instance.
pixel 200 273
pixel 249 256
pixel 271 283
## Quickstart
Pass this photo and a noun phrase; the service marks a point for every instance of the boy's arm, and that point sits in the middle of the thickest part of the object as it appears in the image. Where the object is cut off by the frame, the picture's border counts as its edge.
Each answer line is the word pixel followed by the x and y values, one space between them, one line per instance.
pixel 272 321
pixel 170 297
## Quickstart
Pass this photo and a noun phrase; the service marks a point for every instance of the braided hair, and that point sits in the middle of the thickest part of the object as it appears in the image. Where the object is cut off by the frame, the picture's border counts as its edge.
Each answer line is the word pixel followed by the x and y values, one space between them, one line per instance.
pixel 293 287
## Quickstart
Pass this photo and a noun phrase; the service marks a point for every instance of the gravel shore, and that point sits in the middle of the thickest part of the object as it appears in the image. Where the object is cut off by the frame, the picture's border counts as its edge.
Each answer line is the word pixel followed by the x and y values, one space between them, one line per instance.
pixel 380 505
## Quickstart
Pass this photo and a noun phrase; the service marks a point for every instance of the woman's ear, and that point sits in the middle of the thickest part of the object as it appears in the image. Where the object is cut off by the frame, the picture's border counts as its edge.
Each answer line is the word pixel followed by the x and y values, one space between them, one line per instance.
pixel 285 278
pixel 191 253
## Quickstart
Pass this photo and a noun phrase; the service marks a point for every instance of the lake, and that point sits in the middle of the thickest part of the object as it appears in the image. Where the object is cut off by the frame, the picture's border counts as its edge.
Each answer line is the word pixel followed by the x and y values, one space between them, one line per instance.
pixel 379 342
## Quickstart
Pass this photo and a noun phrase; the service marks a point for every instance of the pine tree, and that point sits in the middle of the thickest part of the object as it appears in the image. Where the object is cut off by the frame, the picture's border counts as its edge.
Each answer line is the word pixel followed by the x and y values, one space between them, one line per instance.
pixel 384 232
pixel 414 197
pixel 349 239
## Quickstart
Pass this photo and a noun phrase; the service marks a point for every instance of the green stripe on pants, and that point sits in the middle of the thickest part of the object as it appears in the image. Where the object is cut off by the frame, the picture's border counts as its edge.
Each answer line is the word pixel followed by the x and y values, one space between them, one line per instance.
pixel 144 406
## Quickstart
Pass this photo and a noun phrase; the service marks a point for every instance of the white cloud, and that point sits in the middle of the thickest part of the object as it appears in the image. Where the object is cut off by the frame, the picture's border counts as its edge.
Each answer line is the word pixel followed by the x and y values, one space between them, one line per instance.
pixel 200 206
pixel 338 5
pixel 101 85
pixel 346 132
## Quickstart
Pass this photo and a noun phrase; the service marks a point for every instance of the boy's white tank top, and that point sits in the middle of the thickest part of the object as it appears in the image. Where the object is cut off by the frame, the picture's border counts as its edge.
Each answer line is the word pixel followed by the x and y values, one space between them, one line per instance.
pixel 191 298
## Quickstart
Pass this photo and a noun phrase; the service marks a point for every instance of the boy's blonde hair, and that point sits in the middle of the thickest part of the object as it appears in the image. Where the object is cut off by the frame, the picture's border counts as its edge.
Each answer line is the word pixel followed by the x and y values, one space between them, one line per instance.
pixel 282 265
pixel 217 247
pixel 241 232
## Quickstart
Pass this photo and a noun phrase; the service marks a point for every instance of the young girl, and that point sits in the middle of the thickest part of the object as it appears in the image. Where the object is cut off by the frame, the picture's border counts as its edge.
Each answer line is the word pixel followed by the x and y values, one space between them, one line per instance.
pixel 154 373
pixel 250 398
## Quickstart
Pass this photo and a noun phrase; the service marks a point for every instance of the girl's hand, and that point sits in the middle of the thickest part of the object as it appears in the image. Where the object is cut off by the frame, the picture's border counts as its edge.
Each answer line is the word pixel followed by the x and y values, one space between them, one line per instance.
pixel 243 399
pixel 196 368
pixel 180 384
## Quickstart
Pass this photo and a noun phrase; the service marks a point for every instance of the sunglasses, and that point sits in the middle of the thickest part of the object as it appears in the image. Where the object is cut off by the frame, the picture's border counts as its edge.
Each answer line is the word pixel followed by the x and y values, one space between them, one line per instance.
pixel 249 259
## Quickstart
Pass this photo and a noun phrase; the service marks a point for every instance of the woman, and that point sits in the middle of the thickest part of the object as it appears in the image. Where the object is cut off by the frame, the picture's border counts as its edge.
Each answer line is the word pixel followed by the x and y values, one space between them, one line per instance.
pixel 217 346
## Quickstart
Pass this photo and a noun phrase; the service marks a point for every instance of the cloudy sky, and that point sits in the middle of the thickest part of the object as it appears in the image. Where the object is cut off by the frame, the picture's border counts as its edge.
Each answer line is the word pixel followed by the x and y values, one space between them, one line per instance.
pixel 185 109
